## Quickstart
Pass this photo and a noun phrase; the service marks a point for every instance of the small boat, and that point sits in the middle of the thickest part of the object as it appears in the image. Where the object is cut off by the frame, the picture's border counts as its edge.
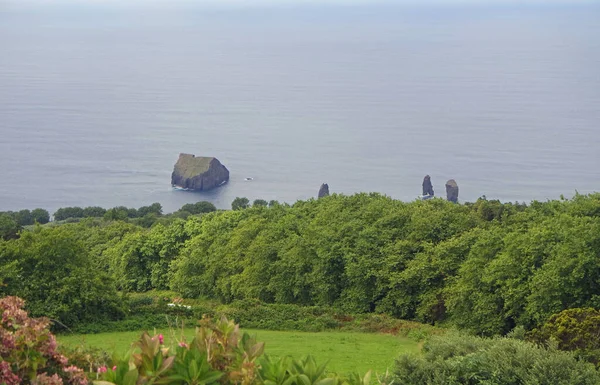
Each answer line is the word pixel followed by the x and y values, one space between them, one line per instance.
pixel 247 179
pixel 425 197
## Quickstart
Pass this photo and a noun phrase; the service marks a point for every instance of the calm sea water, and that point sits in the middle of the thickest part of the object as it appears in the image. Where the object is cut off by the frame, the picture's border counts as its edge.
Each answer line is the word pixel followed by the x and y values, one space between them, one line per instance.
pixel 96 104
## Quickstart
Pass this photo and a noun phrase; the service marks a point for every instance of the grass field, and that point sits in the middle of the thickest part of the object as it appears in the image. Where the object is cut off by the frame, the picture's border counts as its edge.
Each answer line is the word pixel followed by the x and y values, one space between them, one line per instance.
pixel 346 352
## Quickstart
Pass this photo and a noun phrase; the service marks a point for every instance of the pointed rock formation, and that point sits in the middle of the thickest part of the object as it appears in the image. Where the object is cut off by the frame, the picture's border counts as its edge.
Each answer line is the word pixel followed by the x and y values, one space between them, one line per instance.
pixel 324 190
pixel 452 191
pixel 427 186
pixel 198 173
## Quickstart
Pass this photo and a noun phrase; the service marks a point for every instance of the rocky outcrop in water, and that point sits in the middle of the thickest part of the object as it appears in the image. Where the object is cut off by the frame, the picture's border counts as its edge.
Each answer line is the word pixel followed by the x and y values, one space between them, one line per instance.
pixel 324 190
pixel 452 191
pixel 427 186
pixel 198 173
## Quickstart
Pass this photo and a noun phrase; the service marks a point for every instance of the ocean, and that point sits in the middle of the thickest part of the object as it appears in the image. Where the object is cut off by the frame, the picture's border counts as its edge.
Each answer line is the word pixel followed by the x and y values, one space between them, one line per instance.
pixel 97 101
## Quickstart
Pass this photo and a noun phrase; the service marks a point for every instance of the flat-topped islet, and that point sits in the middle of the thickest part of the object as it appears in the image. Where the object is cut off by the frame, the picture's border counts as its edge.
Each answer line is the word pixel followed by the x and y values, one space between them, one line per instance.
pixel 199 173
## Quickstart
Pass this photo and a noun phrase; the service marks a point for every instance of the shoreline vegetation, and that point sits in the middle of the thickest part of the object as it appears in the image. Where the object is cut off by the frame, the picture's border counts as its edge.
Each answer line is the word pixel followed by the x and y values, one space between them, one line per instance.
pixel 473 283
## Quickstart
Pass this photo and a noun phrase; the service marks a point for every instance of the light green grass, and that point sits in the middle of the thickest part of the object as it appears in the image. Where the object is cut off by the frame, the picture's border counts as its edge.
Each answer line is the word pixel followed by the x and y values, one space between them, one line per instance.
pixel 346 352
pixel 189 166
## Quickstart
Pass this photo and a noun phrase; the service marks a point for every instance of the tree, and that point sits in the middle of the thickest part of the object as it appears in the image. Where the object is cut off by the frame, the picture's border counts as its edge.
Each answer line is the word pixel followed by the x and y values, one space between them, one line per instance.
pixel 94 212
pixel 9 228
pixel 240 203
pixel 119 213
pixel 40 216
pixel 260 202
pixel 154 208
pixel 24 218
pixel 68 212
pixel 56 278
pixel 198 207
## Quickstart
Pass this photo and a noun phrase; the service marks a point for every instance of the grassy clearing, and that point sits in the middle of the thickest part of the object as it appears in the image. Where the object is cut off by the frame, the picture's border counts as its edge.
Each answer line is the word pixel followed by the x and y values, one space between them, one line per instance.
pixel 346 352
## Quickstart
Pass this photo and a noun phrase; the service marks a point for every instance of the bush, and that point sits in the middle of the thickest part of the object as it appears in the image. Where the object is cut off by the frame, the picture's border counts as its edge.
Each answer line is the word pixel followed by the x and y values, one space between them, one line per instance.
pixel 576 330
pixel 28 350
pixel 131 323
pixel 461 359
pixel 257 315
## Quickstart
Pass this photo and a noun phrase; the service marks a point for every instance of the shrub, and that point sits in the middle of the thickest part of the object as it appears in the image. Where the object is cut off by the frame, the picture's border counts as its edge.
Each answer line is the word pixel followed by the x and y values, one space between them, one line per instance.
pixel 28 350
pixel 575 330
pixel 461 359
pixel 218 351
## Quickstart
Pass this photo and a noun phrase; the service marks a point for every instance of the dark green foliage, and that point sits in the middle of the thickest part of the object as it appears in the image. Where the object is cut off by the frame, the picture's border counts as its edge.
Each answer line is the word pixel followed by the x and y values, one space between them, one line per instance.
pixel 131 323
pixel 260 202
pixel 24 218
pixel 256 315
pixel 461 359
pixel 120 213
pixel 486 267
pixel 94 212
pixel 140 260
pixel 522 273
pixel 240 203
pixel 68 212
pixel 9 228
pixel 345 251
pixel 40 216
pixel 575 330
pixel 198 208
pixel 154 208
pixel 51 271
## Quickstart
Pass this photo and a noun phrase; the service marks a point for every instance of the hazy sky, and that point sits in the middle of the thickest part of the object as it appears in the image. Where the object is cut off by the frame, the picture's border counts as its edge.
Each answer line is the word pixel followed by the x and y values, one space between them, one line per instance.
pixel 249 3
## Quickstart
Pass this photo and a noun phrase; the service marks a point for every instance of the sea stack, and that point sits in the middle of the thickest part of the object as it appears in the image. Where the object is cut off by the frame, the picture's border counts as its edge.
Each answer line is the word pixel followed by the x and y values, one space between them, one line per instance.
pixel 324 190
pixel 199 173
pixel 452 191
pixel 427 186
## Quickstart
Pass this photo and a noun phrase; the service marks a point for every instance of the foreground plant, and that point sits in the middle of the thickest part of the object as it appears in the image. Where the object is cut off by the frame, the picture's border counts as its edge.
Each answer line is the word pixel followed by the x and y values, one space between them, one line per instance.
pixel 28 350
pixel 218 353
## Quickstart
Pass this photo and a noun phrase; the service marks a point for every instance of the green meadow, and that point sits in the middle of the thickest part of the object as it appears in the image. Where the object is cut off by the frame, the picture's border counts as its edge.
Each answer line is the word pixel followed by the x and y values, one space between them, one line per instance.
pixel 346 352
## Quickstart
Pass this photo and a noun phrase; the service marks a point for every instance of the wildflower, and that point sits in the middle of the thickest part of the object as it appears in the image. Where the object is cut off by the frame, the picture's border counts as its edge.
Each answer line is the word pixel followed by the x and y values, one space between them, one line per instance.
pixel 161 339
pixel 114 368
pixel 183 344
pixel 102 369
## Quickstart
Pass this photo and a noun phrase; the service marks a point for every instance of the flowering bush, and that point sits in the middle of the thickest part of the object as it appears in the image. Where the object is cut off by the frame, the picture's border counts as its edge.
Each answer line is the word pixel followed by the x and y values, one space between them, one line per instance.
pixel 28 350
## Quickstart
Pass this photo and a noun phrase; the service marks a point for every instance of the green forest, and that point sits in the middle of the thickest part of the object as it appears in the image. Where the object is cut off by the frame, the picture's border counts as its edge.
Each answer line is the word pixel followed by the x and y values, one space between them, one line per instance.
pixel 487 268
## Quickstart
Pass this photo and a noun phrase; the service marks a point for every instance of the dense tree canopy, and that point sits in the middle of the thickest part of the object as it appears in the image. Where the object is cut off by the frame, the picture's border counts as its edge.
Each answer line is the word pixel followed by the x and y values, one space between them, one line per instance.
pixel 50 268
pixel 485 266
